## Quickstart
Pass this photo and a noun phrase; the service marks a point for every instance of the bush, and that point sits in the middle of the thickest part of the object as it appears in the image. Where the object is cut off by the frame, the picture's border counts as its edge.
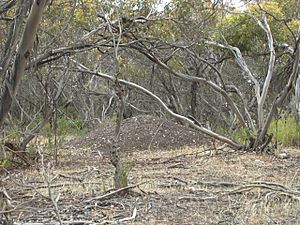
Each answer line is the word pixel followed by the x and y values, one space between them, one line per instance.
pixel 286 131
pixel 242 135
pixel 65 126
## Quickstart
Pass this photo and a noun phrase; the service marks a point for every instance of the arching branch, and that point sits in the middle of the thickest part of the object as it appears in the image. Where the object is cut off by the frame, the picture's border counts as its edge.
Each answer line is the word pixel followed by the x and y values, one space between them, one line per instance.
pixel 233 144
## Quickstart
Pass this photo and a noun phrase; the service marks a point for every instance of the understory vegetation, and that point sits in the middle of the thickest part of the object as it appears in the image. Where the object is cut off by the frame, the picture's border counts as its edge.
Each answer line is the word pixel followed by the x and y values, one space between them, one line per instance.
pixel 286 132
pixel 143 110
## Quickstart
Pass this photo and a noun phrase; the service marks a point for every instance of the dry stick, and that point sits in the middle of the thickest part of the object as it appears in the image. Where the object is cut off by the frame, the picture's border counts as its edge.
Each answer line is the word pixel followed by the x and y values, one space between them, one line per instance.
pixel 129 218
pixel 17 207
pixel 134 213
pixel 31 187
pixel 116 192
pixel 206 152
pixel 216 184
pixel 79 222
pixel 19 154
pixel 48 183
pixel 61 185
pixel 273 187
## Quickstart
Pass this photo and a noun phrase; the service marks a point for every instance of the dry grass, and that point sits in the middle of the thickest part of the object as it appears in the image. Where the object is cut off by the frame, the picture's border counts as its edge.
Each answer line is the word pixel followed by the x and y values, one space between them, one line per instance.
pixel 185 186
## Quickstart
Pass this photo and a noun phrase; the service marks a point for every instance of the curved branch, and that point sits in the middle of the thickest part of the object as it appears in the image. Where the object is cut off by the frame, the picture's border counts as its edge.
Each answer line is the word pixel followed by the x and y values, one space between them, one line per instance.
pixel 265 89
pixel 197 79
pixel 283 94
pixel 233 144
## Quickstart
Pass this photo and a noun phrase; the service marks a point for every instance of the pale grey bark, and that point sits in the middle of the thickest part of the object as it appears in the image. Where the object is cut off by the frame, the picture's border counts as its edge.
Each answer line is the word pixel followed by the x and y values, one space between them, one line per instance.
pixel 282 95
pixel 297 96
pixel 13 78
pixel 260 94
pixel 262 99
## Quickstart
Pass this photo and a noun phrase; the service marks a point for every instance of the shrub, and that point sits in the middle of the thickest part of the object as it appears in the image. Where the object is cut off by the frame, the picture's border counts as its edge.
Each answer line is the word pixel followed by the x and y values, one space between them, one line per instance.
pixel 65 126
pixel 286 131
pixel 242 135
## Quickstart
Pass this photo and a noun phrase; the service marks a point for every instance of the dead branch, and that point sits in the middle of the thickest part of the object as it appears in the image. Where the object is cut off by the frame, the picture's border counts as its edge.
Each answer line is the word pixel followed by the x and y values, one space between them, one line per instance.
pixel 48 180
pixel 116 192
pixel 17 152
pixel 266 185
pixel 233 144
pixel 213 85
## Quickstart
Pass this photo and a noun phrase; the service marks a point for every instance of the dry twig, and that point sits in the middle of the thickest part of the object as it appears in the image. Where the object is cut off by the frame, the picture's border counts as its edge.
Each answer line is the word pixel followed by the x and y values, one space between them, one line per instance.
pixel 115 192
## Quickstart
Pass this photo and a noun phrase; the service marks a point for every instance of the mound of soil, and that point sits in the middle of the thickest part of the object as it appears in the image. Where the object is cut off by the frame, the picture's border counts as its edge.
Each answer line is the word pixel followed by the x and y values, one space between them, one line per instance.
pixel 142 133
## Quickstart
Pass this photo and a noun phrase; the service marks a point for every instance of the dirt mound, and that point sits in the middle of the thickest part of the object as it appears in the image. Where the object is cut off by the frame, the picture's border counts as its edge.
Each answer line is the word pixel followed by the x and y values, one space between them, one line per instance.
pixel 142 133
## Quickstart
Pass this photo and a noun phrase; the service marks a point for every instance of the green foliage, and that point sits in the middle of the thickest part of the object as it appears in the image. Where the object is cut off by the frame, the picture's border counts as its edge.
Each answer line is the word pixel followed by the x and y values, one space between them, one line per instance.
pixel 68 126
pixel 5 163
pixel 290 7
pixel 13 135
pixel 187 9
pixel 65 126
pixel 286 131
pixel 121 175
pixel 242 135
pixel 85 13
pixel 131 7
pixel 242 31
pixel 124 175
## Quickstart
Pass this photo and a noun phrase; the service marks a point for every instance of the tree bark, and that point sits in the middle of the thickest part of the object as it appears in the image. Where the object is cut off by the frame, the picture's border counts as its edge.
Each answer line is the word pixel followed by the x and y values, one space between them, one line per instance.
pixel 11 42
pixel 281 96
pixel 13 78
pixel 297 96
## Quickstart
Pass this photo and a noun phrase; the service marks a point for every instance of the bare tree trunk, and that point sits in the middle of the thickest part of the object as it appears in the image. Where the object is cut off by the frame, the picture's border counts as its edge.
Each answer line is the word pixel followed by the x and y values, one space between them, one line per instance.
pixel 281 97
pixel 297 96
pixel 262 99
pixel 13 78
pixel 11 43
pixel 194 87
pixel 120 177
pixel 260 94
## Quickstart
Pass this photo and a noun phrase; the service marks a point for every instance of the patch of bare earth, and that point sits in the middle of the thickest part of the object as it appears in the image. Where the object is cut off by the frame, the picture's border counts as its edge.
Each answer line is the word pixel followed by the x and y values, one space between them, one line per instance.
pixel 141 133
pixel 190 185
